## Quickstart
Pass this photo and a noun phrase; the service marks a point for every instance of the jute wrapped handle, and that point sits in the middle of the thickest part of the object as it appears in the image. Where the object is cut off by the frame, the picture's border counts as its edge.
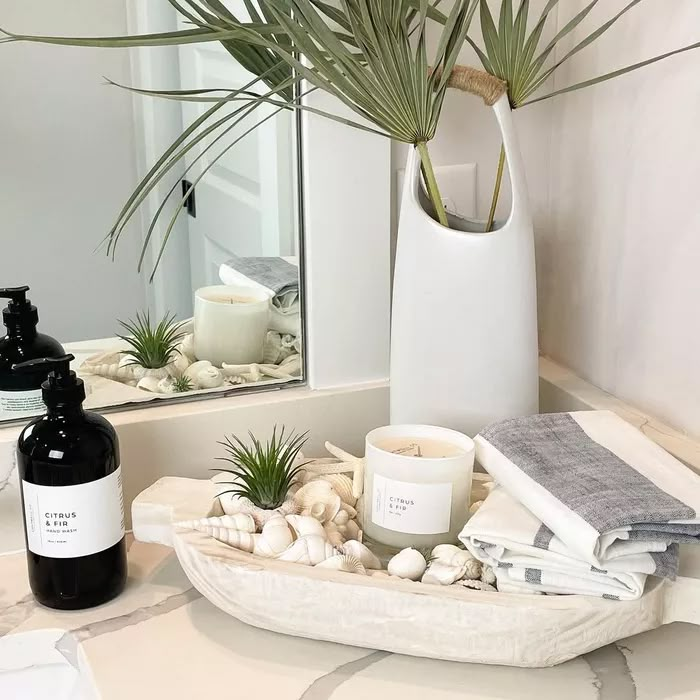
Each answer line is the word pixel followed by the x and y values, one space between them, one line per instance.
pixel 479 83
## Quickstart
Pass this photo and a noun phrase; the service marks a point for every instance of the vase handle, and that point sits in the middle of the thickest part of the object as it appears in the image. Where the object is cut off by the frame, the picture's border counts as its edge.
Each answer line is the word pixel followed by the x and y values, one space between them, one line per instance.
pixel 516 168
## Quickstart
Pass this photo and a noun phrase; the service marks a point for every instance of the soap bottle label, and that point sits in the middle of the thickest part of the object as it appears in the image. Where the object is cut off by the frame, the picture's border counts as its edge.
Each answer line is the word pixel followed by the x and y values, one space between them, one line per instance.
pixel 415 509
pixel 22 402
pixel 74 521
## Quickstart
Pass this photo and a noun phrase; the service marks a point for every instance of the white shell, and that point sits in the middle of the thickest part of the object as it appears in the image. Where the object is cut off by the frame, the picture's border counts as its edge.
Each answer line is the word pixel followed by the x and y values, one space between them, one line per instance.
pixel 151 384
pixel 457 558
pixel 194 369
pixel 475 506
pixel 305 525
pixel 309 550
pixel 244 541
pixel 473 570
pixel 443 574
pixel 310 495
pixel 477 586
pixel 352 531
pixel 488 575
pixel 232 504
pixel 343 562
pixel 408 563
pixel 342 485
pixel 240 522
pixel 275 538
pixel 366 556
pixel 209 378
pixel 156 372
pixel 187 347
pixel 178 366
pixel 342 517
pixel 333 534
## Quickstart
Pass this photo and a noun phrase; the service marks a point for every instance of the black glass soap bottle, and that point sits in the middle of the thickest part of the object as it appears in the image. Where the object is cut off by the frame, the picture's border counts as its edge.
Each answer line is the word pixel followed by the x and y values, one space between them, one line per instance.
pixel 68 462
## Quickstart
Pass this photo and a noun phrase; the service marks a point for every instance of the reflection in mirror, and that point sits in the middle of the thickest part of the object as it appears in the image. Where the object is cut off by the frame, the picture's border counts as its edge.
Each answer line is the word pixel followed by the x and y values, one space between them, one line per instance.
pixel 216 310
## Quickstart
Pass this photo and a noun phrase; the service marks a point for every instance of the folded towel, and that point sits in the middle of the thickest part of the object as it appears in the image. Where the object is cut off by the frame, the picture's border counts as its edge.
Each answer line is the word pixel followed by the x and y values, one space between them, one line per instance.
pixel 273 274
pixel 599 484
pixel 527 557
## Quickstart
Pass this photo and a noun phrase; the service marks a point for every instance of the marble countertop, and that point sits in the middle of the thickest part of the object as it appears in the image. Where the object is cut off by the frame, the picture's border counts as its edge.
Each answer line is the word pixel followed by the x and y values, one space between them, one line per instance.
pixel 162 639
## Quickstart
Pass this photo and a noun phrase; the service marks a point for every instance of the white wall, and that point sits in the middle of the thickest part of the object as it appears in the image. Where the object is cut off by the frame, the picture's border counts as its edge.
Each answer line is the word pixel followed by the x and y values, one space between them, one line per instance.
pixel 67 166
pixel 619 256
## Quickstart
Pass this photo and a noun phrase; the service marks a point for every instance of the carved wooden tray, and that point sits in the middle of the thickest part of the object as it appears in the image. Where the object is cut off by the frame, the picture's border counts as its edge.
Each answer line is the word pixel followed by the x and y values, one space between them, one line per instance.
pixel 443 622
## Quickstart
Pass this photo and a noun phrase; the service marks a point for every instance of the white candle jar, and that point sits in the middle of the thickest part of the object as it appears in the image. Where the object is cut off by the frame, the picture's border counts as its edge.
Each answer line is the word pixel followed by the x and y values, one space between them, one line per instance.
pixel 417 485
pixel 230 324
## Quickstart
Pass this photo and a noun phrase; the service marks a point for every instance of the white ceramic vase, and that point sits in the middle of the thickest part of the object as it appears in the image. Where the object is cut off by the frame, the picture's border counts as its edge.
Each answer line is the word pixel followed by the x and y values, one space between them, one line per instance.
pixel 464 347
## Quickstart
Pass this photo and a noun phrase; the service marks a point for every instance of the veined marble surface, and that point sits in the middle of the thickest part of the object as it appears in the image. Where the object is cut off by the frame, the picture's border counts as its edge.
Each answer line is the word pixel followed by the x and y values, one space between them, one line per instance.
pixel 161 639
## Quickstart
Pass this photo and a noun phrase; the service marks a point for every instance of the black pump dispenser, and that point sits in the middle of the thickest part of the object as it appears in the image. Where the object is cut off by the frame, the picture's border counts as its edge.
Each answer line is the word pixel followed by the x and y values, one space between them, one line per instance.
pixel 68 463
pixel 20 393
pixel 62 387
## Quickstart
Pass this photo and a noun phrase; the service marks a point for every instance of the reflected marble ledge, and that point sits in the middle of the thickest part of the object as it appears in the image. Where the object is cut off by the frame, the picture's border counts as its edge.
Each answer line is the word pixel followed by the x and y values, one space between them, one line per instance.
pixel 175 644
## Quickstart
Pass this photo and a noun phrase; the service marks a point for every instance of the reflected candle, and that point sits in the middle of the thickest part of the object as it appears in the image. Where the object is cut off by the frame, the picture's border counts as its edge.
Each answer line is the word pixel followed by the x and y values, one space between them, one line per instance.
pixel 230 324
pixel 417 485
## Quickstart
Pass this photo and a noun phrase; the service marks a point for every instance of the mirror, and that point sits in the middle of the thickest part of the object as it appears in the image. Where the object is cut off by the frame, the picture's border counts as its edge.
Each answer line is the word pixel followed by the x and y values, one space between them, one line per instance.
pixel 219 308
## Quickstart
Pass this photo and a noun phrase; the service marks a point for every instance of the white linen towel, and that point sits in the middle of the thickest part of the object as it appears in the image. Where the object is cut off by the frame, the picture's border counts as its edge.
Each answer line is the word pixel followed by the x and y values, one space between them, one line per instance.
pixel 527 557
pixel 596 482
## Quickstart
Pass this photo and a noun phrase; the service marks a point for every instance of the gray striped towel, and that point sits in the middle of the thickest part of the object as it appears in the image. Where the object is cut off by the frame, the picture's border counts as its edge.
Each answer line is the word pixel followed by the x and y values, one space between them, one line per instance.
pixel 592 485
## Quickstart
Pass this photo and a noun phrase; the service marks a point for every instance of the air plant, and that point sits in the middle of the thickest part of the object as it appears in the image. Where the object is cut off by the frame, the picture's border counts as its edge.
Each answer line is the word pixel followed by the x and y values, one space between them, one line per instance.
pixel 263 473
pixel 152 347
pixel 182 384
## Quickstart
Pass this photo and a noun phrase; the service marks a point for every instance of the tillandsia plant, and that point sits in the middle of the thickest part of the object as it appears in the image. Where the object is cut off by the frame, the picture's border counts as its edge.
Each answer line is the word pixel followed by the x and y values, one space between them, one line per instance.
pixel 182 384
pixel 263 473
pixel 152 347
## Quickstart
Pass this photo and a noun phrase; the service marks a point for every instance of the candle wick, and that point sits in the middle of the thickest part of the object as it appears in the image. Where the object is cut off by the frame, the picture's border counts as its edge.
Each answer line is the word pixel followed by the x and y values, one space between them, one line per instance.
pixel 420 454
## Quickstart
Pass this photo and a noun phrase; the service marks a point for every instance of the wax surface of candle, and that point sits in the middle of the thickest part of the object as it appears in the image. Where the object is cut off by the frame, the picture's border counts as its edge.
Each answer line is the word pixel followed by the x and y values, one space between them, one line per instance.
pixel 420 447
pixel 221 299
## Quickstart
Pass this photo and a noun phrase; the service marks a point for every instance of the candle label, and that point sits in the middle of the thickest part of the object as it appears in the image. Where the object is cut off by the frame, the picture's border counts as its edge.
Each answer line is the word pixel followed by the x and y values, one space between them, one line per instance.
pixel 415 509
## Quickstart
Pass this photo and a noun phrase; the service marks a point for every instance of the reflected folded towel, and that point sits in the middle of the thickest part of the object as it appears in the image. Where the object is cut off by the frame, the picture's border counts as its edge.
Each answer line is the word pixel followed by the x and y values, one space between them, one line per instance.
pixel 597 483
pixel 527 557
pixel 276 275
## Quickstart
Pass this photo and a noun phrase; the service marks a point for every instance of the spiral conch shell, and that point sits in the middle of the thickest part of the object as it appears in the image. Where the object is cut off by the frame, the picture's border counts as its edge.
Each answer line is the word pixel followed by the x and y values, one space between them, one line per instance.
pixel 245 541
pixel 309 550
pixel 240 522
pixel 343 562
pixel 305 525
pixel 275 538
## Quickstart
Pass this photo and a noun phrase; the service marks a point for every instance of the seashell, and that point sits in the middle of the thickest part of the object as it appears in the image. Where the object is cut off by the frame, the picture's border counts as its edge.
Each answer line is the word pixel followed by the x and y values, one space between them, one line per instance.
pixel 310 495
pixel 245 541
pixel 186 348
pixel 231 504
pixel 488 575
pixel 179 365
pixel 240 522
pixel 333 534
pixel 109 365
pixel 343 562
pixel 478 586
pixel 166 386
pixel 408 563
pixel 309 550
pixel 209 378
pixel 348 509
pixel 352 531
pixel 458 558
pixel 151 384
pixel 342 485
pixel 275 538
pixel 304 525
pixel 250 373
pixel 443 574
pixel 342 517
pixel 475 506
pixel 145 372
pixel 364 554
pixel 473 569
pixel 194 369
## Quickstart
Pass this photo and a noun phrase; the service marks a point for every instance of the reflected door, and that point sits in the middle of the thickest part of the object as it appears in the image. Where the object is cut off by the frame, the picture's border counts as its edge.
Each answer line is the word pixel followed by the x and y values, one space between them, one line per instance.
pixel 245 203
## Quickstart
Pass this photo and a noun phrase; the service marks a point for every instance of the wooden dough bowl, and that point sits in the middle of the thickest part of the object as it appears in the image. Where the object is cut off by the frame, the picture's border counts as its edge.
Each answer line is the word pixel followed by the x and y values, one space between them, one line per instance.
pixel 404 617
